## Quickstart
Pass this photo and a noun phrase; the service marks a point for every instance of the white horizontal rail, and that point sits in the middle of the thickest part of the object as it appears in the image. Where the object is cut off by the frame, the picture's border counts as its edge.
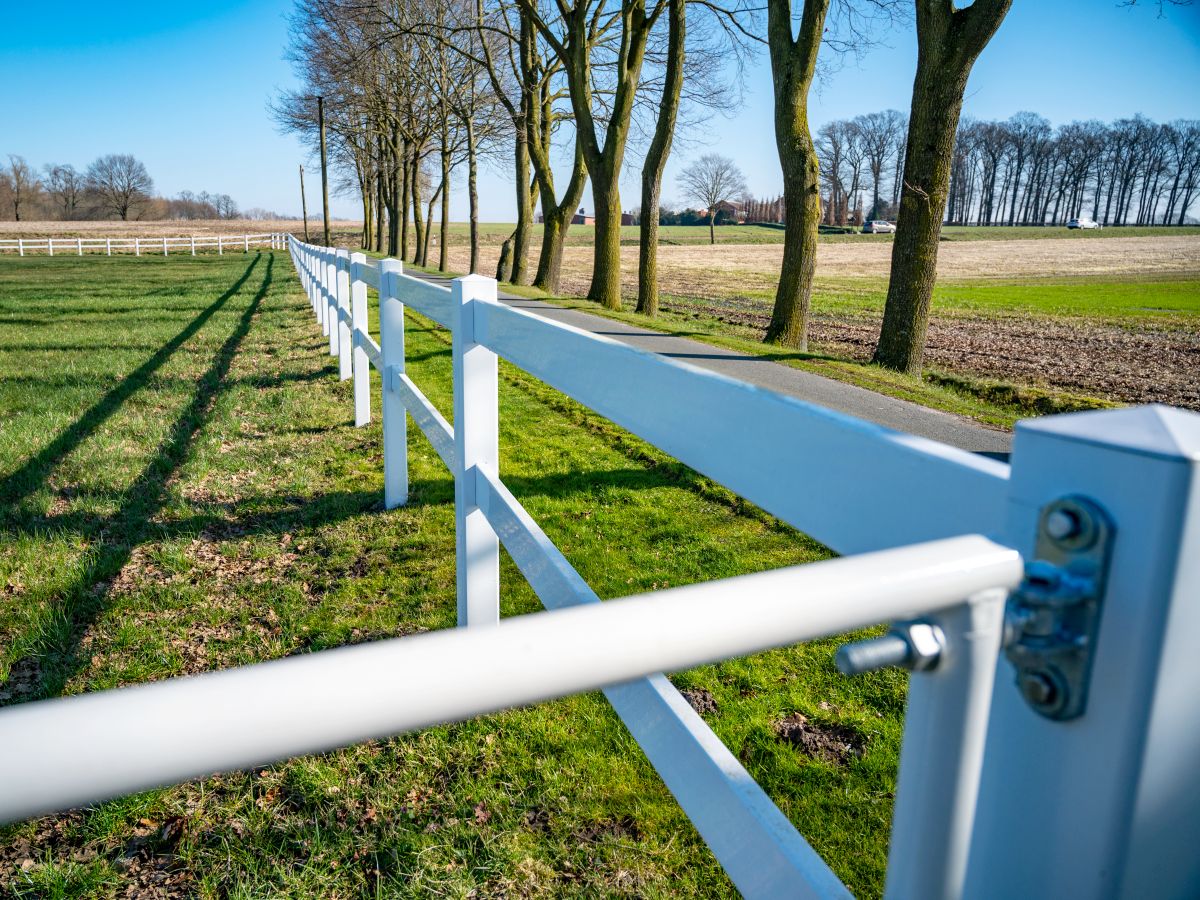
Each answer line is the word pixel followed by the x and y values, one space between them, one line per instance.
pixel 431 422
pixel 56 754
pixel 431 300
pixel 850 484
pixel 372 349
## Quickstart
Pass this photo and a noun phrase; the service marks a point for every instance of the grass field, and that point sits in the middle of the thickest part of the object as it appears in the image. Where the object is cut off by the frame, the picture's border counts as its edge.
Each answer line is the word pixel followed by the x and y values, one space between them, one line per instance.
pixel 181 489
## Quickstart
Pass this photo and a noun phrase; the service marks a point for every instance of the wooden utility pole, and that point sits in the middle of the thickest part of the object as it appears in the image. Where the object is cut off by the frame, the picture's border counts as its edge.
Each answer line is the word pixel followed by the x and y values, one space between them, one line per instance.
pixel 324 170
pixel 303 203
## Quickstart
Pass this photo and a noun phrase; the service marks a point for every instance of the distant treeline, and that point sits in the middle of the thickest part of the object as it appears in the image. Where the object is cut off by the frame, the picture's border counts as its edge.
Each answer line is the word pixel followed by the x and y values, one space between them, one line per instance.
pixel 116 186
pixel 1021 171
pixel 1024 172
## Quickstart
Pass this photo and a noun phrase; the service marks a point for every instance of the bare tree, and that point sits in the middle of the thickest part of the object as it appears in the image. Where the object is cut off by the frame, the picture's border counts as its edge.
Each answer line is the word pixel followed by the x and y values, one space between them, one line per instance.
pixel 879 133
pixel 65 185
pixel 602 47
pixel 120 183
pixel 712 180
pixel 23 183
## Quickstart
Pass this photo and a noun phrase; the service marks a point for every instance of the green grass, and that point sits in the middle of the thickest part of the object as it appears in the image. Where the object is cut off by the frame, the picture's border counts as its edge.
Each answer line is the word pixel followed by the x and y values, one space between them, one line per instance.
pixel 181 489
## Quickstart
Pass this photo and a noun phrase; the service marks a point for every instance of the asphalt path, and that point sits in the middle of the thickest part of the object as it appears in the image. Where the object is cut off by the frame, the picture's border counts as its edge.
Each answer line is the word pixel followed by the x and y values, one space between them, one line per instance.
pixel 890 412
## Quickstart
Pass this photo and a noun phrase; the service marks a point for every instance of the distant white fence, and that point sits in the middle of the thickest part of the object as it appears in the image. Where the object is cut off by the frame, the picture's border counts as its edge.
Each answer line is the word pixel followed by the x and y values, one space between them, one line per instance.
pixel 164 246
pixel 1049 610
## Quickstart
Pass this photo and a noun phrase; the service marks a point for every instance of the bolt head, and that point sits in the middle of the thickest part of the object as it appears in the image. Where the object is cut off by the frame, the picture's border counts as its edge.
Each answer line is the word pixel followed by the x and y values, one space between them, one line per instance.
pixel 1062 524
pixel 1039 688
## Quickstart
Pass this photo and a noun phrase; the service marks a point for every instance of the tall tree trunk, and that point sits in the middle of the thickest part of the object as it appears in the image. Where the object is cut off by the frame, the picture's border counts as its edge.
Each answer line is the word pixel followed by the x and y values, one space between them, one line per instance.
pixel 793 61
pixel 523 231
pixel 949 41
pixel 605 287
pixel 656 158
pixel 380 210
pixel 398 155
pixel 473 194
pixel 429 225
pixel 405 190
pixel 444 225
pixel 556 219
pixel 414 180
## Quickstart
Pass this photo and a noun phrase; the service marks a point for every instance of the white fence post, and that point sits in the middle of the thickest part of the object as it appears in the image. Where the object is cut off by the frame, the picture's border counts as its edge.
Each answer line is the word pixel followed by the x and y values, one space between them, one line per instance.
pixel 108 246
pixel 331 307
pixel 20 247
pixel 50 245
pixel 358 321
pixel 164 246
pixel 322 274
pixel 476 435
pixel 137 247
pixel 79 246
pixel 345 348
pixel 1105 805
pixel 193 240
pixel 220 246
pixel 395 416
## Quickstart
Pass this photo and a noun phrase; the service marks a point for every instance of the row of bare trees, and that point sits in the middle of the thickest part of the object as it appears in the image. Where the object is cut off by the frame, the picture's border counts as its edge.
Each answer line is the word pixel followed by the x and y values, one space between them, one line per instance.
pixel 862 161
pixel 1024 172
pixel 116 186
pixel 415 88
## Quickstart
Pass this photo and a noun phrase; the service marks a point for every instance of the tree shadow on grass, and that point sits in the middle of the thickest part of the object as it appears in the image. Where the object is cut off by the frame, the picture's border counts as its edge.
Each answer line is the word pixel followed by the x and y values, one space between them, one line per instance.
pixel 56 658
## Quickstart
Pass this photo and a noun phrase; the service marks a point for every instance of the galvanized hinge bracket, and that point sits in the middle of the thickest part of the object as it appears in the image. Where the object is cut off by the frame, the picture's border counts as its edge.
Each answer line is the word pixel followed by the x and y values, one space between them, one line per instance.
pixel 1053 617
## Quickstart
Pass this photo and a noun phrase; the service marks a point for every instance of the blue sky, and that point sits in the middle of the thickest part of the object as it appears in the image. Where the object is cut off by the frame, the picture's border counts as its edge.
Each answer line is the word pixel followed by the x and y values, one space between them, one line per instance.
pixel 185 88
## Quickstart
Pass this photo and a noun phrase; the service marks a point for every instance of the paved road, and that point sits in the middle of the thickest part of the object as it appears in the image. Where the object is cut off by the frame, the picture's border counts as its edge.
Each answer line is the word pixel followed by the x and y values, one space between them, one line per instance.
pixel 865 404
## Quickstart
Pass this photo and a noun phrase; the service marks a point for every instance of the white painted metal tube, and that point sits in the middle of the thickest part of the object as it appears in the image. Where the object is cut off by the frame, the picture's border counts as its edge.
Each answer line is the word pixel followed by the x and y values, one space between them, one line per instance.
pixel 62 753
pixel 945 730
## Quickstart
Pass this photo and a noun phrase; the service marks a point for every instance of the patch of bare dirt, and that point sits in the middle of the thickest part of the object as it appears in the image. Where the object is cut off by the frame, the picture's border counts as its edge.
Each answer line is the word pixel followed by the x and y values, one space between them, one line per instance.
pixel 836 744
pixel 701 700
pixel 146 864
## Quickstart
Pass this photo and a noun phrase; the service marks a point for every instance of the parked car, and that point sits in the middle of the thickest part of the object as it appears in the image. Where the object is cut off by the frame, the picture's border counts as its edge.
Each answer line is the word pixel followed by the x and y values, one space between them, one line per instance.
pixel 878 227
pixel 1083 223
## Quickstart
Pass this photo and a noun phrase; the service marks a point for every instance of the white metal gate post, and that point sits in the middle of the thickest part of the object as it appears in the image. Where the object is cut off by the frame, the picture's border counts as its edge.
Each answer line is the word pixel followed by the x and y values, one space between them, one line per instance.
pixel 945 728
pixel 1105 805
pixel 476 443
pixel 395 416
pixel 341 262
pixel 358 319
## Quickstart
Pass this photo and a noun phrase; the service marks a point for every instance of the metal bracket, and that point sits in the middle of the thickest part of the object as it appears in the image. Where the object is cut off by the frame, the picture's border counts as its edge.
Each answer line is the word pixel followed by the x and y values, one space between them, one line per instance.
pixel 1053 617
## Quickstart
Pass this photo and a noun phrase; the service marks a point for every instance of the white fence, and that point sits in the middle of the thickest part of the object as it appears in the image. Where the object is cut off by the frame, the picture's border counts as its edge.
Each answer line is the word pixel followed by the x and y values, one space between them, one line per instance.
pixel 1051 742
pixel 78 246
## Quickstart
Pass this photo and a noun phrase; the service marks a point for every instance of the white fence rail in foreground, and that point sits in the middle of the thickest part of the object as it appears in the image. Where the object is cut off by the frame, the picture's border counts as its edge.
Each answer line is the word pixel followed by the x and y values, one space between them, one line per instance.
pixel 1082 782
pixel 192 244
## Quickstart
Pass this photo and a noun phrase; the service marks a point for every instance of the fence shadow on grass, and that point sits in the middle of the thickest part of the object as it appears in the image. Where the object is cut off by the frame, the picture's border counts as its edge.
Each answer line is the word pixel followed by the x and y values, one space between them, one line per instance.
pixel 56 658
pixel 26 479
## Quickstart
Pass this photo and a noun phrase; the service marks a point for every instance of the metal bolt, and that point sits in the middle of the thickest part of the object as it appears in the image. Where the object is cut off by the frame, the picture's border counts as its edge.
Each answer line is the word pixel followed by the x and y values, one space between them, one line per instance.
pixel 1062 524
pixel 916 646
pixel 1039 688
